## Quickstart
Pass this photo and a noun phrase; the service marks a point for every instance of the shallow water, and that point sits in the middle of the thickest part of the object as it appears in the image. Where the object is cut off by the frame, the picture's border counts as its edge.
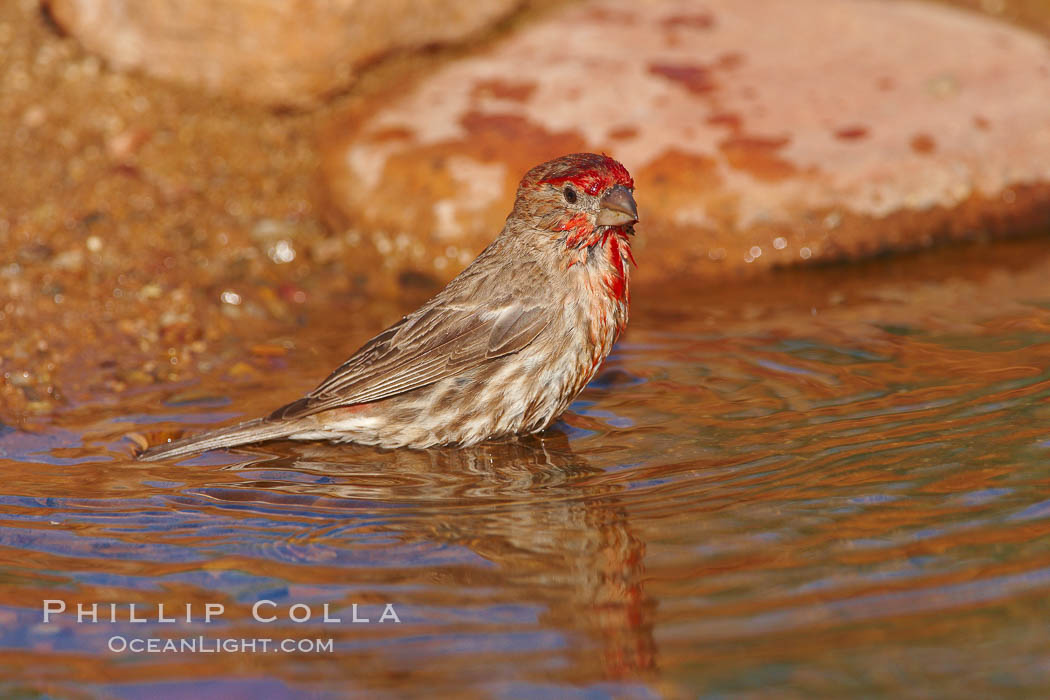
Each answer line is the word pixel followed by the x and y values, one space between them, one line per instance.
pixel 826 481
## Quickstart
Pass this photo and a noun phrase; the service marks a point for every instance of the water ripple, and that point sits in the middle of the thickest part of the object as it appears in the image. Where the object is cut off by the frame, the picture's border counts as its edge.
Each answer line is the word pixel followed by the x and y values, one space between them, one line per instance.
pixel 746 494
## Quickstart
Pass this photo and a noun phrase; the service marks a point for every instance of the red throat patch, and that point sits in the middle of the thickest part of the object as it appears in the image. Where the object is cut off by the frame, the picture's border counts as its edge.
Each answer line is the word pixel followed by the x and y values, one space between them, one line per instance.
pixel 616 281
pixel 580 229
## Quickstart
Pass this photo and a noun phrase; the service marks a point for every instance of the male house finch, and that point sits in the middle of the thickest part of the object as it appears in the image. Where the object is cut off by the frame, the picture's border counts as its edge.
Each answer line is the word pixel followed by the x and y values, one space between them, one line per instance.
pixel 503 349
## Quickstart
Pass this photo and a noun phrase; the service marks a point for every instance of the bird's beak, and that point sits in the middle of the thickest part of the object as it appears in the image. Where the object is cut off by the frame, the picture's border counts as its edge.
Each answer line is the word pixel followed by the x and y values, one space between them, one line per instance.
pixel 618 208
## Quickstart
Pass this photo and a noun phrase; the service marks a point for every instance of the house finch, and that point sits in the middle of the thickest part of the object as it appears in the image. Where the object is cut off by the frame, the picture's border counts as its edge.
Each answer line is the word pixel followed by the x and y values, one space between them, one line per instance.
pixel 503 349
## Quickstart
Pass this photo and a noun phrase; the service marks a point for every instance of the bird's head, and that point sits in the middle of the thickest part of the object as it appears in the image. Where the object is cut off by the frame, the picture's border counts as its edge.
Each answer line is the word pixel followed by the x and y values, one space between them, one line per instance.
pixel 577 201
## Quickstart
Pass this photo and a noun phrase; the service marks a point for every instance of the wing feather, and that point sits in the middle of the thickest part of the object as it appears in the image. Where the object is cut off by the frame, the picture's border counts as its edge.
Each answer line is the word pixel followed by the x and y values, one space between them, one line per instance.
pixel 437 342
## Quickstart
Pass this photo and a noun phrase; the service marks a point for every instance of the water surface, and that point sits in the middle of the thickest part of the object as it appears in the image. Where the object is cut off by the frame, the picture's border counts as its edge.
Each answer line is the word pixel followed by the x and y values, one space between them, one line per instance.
pixel 825 481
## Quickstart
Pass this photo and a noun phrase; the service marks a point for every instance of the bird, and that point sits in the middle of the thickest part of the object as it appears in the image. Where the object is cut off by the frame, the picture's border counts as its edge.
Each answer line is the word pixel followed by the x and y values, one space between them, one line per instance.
pixel 502 350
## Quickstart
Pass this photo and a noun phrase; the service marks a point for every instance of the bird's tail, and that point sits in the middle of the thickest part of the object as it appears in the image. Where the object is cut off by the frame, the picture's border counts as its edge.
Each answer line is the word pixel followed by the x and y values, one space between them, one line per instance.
pixel 241 434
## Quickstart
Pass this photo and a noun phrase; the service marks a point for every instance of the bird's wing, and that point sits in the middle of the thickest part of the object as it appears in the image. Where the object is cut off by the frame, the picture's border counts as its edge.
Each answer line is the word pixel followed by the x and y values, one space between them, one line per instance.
pixel 435 343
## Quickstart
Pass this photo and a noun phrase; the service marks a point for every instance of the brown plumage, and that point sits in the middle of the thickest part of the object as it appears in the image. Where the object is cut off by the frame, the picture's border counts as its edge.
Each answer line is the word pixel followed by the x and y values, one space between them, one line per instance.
pixel 502 349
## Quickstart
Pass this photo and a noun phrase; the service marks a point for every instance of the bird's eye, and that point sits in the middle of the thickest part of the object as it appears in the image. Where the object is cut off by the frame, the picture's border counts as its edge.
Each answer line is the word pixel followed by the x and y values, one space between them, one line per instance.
pixel 570 195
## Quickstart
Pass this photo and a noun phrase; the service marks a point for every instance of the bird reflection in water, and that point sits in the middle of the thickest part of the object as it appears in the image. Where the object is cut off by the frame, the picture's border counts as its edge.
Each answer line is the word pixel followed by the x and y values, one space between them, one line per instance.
pixel 559 538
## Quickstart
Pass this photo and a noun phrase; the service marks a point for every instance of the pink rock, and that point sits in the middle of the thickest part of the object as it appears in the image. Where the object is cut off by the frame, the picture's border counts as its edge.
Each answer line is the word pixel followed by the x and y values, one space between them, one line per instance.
pixel 288 53
pixel 758 133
